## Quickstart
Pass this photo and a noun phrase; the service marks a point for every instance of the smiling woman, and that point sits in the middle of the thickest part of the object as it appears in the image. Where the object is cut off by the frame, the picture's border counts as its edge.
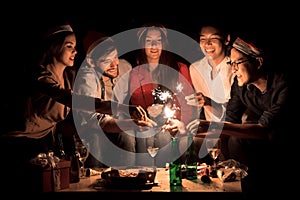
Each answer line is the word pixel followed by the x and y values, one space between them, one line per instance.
pixel 154 84
pixel 46 104
pixel 49 102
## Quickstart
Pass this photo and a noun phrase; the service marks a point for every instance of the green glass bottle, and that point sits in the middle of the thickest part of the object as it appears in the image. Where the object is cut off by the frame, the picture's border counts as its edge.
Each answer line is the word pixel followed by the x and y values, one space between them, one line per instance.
pixel 75 167
pixel 190 159
pixel 175 165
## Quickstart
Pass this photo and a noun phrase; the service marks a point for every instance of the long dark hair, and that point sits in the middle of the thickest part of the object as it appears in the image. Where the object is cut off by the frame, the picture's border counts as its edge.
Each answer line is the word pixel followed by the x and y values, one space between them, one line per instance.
pixel 167 60
pixel 52 47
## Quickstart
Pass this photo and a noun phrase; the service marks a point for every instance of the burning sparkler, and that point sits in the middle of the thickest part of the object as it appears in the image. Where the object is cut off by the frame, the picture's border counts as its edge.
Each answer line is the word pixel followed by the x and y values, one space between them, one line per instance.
pixel 166 98
pixel 161 96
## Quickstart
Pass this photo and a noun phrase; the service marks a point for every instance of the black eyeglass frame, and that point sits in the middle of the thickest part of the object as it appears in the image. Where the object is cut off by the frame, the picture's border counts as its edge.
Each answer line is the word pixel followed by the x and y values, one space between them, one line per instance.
pixel 236 64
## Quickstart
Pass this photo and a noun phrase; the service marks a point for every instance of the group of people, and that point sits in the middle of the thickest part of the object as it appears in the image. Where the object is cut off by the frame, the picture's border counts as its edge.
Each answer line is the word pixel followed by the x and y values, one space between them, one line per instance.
pixel 122 107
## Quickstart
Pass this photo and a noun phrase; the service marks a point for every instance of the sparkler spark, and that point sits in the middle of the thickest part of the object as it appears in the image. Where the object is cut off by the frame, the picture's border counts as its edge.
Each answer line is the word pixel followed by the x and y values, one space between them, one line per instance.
pixel 161 96
pixel 165 95
pixel 179 87
pixel 166 98
pixel 169 112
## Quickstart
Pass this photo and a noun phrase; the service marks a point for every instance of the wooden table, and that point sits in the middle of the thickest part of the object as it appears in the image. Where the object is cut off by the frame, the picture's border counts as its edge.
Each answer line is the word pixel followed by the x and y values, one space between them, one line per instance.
pixel 161 185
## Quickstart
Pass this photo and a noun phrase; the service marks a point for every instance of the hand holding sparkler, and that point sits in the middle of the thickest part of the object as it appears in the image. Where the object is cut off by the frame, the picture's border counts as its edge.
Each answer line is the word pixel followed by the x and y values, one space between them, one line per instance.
pixel 155 110
pixel 140 117
pixel 174 126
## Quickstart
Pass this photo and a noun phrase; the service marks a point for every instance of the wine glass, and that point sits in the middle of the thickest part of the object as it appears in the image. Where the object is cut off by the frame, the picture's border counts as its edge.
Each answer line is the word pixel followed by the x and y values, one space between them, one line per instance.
pixel 213 149
pixel 82 148
pixel 152 149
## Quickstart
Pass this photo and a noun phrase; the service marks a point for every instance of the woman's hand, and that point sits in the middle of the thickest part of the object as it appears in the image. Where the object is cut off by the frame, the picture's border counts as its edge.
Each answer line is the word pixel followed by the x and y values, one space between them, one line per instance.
pixel 155 109
pixel 196 99
pixel 142 119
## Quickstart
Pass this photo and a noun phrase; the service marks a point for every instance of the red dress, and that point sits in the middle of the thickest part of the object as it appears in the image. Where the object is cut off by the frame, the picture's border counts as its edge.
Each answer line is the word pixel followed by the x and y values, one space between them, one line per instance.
pixel 141 88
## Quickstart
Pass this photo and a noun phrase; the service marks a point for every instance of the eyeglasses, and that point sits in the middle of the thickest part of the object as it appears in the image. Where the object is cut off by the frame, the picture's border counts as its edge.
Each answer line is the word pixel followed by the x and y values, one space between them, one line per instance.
pixel 235 65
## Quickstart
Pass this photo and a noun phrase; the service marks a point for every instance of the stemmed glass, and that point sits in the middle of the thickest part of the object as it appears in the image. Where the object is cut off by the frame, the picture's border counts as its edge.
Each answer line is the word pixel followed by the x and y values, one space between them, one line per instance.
pixel 152 149
pixel 82 148
pixel 213 148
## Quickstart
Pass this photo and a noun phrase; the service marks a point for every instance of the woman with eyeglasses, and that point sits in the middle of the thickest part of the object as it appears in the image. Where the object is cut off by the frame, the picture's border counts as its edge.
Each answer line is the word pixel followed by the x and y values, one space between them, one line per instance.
pixel 256 143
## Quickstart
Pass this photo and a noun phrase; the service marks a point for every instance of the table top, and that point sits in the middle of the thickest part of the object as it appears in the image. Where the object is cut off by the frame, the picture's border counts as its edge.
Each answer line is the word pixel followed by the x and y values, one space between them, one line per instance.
pixel 161 184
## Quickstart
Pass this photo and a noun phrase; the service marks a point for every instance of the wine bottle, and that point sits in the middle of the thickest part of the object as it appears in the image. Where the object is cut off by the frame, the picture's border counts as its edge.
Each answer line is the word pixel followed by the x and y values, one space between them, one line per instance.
pixel 190 159
pixel 61 150
pixel 75 167
pixel 175 165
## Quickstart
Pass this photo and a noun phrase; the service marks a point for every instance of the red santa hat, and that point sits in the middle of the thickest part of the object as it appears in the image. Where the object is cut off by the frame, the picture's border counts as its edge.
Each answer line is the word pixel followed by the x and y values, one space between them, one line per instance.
pixel 91 40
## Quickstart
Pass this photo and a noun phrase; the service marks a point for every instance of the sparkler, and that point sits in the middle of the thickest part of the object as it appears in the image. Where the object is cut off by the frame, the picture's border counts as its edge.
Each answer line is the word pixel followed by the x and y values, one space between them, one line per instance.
pixel 166 98
pixel 161 96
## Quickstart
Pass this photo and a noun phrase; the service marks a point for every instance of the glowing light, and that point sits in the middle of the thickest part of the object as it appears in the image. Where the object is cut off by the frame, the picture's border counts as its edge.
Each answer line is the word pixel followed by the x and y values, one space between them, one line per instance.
pixel 166 98
pixel 179 87
pixel 169 112
pixel 165 95
pixel 161 96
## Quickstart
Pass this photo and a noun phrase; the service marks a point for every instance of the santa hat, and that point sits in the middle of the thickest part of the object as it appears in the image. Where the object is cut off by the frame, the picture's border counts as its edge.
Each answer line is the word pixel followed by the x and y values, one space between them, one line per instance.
pixel 247 48
pixel 58 29
pixel 91 40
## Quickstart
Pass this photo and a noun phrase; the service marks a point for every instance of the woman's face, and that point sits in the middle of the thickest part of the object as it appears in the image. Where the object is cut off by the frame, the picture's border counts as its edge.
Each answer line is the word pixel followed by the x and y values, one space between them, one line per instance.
pixel 68 51
pixel 153 45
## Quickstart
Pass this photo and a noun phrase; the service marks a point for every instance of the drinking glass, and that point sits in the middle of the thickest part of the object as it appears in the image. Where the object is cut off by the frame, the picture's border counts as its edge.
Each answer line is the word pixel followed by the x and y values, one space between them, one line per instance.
pixel 82 148
pixel 213 149
pixel 152 149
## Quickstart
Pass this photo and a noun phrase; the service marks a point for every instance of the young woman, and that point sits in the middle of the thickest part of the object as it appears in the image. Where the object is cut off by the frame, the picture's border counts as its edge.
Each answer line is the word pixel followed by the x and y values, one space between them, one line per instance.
pixel 159 81
pixel 49 102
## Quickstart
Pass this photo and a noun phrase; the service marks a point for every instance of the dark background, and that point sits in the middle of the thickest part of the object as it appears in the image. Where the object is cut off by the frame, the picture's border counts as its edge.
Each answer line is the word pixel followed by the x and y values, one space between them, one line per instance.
pixel 23 24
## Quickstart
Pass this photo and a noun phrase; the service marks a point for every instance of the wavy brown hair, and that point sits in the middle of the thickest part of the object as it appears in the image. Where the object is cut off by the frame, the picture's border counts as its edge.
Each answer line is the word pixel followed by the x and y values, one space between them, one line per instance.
pixel 164 75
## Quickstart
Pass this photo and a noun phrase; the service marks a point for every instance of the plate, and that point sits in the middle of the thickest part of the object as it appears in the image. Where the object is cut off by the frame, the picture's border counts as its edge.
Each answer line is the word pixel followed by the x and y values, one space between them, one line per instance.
pixel 128 177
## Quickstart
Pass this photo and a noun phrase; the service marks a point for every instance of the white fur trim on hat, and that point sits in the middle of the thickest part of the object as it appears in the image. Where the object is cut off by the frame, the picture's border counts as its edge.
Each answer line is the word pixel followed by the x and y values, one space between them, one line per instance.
pixel 247 48
pixel 59 29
